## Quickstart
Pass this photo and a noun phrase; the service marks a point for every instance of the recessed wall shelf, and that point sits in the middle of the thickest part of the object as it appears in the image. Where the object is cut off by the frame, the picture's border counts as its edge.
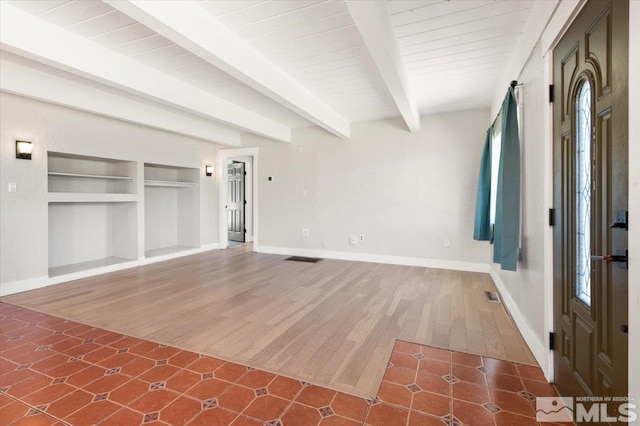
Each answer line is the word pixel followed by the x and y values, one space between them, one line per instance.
pixel 169 184
pixel 85 266
pixel 171 209
pixel 71 173
pixel 75 197
pixel 78 175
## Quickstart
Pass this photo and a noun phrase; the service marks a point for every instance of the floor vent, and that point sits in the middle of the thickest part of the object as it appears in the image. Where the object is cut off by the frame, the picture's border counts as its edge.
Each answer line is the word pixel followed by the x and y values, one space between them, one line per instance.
pixel 492 296
pixel 303 259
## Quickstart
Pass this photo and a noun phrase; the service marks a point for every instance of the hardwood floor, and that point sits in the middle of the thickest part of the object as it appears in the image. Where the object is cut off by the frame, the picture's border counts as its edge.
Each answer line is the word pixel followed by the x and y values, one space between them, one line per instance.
pixel 331 323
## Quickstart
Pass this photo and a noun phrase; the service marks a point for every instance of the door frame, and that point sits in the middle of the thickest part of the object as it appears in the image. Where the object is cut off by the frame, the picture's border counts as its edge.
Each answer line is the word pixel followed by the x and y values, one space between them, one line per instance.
pixel 223 156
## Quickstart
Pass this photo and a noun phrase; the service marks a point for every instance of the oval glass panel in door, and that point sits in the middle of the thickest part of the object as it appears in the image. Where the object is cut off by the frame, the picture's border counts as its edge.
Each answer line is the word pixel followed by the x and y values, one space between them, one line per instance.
pixel 583 193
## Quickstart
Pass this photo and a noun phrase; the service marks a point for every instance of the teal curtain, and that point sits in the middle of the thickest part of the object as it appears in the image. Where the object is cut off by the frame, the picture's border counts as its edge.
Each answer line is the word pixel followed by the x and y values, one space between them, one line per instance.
pixel 506 233
pixel 482 227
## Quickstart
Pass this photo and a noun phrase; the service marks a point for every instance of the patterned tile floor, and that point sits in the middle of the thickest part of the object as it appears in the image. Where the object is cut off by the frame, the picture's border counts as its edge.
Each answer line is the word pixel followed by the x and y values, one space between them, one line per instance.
pixel 56 372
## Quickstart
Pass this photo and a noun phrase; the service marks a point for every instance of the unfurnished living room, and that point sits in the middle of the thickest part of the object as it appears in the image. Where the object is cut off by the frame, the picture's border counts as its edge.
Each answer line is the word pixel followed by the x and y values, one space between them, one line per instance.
pixel 319 212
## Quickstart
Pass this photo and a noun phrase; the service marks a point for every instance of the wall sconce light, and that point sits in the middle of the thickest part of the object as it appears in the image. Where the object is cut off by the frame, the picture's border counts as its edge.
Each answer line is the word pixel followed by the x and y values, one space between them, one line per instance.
pixel 24 150
pixel 208 170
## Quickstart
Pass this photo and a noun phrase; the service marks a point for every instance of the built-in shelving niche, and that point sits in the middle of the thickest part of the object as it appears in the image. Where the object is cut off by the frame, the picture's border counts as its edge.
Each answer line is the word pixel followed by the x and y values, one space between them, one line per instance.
pixel 93 212
pixel 171 209
pixel 89 235
pixel 73 174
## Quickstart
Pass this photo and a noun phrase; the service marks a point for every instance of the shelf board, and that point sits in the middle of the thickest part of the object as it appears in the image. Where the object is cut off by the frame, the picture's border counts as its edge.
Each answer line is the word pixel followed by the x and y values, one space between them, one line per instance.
pixel 167 250
pixel 84 266
pixel 169 183
pixel 86 176
pixel 82 197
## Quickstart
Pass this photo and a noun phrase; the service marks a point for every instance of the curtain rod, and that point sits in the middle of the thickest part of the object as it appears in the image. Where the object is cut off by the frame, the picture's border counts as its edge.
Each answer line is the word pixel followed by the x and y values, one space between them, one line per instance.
pixel 513 84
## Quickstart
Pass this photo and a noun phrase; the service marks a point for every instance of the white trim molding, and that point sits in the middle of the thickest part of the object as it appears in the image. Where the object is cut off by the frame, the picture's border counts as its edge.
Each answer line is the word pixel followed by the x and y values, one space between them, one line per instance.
pixel 223 156
pixel 14 287
pixel 535 344
pixel 454 265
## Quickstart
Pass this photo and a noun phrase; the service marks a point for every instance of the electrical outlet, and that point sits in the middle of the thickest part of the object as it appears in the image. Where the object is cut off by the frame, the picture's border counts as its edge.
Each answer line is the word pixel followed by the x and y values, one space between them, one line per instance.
pixel 354 240
pixel 12 187
pixel 305 232
pixel 447 243
pixel 361 237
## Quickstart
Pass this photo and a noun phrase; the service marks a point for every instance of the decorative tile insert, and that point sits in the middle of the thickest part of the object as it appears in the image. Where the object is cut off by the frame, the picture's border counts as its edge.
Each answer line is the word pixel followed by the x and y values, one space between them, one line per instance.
pixel 100 397
pixel 261 392
pixel 151 417
pixel 451 421
pixel 157 386
pixel 451 378
pixel 419 356
pixel 492 408
pixel 326 412
pixel 162 362
pixel 59 380
pixel 414 388
pixel 527 395
pixel 111 371
pixel 209 403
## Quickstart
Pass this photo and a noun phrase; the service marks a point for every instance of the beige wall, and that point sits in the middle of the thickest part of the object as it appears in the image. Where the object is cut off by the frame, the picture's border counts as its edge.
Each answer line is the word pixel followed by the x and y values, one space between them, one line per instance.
pixel 405 192
pixel 23 214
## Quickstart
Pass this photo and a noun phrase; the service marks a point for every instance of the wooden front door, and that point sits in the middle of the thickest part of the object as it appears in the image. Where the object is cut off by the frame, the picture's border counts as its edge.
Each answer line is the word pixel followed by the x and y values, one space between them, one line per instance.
pixel 590 188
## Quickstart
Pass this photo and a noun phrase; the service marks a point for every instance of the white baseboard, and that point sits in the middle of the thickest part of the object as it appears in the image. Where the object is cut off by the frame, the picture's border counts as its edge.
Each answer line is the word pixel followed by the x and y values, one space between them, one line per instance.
pixel 454 265
pixel 536 346
pixel 34 283
pixel 13 287
pixel 169 256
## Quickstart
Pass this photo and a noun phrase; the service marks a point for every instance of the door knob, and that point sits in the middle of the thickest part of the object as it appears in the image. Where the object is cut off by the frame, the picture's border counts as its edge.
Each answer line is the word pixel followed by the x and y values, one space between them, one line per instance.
pixel 610 258
pixel 621 258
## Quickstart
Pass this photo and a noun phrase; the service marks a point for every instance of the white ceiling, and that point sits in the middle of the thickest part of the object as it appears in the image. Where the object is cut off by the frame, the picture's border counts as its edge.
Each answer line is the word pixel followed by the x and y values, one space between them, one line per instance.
pixel 453 51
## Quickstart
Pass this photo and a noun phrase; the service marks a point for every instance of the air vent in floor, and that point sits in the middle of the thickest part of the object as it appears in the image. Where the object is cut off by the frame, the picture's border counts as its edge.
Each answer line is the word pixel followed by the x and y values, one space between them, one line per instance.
pixel 303 259
pixel 492 296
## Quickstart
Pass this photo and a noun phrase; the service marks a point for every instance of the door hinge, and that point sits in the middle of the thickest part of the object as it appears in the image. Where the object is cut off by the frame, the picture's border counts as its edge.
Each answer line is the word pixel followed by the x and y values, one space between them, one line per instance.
pixel 552 217
pixel 552 341
pixel 245 173
pixel 551 96
pixel 245 202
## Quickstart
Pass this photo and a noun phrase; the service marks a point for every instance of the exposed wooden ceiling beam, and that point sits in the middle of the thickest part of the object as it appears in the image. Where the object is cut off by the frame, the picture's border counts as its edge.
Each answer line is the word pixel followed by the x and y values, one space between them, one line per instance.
pixel 38 84
pixel 34 38
pixel 373 20
pixel 193 28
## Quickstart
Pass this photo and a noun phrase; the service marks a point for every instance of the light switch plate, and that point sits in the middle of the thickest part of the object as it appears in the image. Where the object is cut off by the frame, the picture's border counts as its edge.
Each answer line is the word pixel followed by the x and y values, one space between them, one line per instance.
pixel 12 187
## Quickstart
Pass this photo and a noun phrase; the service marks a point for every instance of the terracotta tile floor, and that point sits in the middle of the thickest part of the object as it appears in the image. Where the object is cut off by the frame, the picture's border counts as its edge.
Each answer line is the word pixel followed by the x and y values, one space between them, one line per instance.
pixel 54 371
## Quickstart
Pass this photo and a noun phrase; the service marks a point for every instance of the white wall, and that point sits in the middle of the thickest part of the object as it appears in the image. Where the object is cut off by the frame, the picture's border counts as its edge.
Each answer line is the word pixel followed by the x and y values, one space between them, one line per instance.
pixel 526 285
pixel 405 192
pixel 23 215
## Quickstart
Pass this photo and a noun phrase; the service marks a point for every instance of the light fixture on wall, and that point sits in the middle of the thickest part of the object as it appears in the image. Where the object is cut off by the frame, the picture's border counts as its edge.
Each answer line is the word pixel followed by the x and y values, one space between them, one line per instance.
pixel 24 150
pixel 208 170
